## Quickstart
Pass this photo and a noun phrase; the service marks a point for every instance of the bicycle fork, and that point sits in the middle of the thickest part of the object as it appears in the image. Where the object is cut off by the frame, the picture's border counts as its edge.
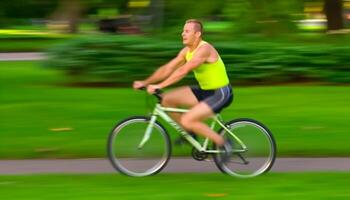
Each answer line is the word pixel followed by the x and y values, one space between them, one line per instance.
pixel 148 132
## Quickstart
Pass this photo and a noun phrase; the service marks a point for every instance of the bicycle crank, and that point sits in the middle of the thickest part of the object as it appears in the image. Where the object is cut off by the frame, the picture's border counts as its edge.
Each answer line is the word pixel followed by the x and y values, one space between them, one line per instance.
pixel 198 155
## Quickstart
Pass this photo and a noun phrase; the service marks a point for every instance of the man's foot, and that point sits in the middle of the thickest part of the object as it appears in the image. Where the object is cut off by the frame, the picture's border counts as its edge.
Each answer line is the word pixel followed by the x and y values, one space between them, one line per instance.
pixel 227 151
pixel 181 140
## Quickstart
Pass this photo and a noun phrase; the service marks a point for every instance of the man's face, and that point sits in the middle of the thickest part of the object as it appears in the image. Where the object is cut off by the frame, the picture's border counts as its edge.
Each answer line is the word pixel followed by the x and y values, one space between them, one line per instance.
pixel 189 34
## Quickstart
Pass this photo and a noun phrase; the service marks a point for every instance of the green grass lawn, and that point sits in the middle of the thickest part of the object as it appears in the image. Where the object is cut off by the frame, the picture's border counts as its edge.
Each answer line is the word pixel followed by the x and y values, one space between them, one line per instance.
pixel 305 120
pixel 301 186
pixel 22 45
pixel 29 40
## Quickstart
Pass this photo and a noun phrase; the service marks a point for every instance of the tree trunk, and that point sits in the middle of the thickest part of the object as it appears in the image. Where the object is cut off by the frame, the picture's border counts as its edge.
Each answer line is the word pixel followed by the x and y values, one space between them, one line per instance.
pixel 157 10
pixel 334 12
pixel 69 11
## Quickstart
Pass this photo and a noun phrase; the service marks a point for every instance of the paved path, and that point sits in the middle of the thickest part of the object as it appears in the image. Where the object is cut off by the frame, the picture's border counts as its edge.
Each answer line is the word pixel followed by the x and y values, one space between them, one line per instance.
pixel 21 56
pixel 174 165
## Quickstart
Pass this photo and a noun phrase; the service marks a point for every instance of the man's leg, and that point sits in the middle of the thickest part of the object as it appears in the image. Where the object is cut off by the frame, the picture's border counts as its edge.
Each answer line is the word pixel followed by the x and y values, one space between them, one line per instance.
pixel 182 96
pixel 193 121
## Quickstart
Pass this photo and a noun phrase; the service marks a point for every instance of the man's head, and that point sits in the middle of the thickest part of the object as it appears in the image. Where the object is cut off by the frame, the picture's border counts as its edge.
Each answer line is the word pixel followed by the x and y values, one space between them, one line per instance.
pixel 192 31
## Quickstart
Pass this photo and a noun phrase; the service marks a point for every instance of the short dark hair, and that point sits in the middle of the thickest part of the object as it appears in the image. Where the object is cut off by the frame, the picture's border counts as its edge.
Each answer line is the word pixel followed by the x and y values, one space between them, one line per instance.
pixel 198 24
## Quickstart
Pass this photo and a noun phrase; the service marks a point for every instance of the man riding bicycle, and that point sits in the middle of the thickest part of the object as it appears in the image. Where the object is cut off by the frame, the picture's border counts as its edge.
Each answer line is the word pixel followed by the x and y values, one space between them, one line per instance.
pixel 211 95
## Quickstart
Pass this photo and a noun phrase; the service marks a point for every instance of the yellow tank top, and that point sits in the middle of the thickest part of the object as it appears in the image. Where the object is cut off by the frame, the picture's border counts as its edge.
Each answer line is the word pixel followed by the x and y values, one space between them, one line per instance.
pixel 210 76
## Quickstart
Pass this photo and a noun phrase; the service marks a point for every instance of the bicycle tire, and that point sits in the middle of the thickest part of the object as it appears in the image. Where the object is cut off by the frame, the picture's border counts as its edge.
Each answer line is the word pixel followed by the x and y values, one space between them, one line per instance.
pixel 254 155
pixel 120 151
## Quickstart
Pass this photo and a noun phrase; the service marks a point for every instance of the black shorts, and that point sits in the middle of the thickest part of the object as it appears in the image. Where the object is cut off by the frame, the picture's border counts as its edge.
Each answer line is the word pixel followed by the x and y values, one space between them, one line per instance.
pixel 216 99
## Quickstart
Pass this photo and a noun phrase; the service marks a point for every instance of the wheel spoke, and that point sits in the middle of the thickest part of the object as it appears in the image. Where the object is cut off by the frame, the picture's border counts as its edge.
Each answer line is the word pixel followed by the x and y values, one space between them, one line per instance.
pixel 126 154
pixel 261 152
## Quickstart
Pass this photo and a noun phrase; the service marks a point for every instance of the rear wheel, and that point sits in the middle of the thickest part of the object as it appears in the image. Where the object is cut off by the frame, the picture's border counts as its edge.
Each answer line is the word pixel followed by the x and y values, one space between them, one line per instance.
pixel 260 152
pixel 128 157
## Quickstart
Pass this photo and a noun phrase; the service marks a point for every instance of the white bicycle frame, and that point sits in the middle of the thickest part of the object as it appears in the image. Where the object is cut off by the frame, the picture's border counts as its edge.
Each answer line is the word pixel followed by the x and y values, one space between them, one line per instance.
pixel 161 111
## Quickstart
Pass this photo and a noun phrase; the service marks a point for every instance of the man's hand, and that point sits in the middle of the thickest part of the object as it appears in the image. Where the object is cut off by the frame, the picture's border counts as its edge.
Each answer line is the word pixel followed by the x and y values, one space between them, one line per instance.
pixel 139 84
pixel 151 89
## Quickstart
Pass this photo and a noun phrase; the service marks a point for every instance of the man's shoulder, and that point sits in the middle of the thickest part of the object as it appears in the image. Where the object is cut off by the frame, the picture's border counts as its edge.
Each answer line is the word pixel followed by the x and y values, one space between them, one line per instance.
pixel 183 51
pixel 206 47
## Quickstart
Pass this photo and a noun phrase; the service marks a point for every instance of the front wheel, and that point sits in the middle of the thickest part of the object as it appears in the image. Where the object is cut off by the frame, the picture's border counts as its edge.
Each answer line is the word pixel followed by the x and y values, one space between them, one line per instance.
pixel 258 155
pixel 131 155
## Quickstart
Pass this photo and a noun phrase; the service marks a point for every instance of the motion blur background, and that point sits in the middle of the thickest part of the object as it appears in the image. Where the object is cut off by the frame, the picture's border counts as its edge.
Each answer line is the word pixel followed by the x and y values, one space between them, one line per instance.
pixel 261 41
pixel 288 62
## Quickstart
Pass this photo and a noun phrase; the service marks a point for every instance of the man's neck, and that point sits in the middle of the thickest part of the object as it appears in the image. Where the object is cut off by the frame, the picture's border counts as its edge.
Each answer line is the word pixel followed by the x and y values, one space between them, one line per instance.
pixel 195 44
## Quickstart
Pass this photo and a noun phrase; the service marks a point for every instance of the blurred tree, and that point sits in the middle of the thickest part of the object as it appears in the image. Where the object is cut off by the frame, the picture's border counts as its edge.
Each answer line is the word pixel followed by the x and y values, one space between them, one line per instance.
pixel 157 10
pixel 70 11
pixel 177 11
pixel 247 16
pixel 27 8
pixel 263 16
pixel 16 11
pixel 334 13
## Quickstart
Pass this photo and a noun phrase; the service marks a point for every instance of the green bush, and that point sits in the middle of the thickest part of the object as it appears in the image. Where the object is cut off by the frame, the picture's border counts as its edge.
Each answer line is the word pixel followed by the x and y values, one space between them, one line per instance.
pixel 122 59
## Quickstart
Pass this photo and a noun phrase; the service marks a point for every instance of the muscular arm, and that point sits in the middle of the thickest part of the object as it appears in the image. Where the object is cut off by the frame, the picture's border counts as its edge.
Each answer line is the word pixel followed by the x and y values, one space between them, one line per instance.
pixel 164 71
pixel 199 58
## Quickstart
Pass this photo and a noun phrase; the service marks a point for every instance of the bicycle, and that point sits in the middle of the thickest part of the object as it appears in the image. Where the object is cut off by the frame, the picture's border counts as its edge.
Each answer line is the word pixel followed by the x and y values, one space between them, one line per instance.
pixel 140 145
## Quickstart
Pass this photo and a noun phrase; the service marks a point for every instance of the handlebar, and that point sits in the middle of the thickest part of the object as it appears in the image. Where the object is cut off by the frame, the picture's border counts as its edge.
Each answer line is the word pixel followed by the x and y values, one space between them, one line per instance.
pixel 157 94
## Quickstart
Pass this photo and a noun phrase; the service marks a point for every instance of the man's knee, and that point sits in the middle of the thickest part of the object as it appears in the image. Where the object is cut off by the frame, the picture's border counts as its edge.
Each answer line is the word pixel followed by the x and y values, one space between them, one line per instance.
pixel 186 122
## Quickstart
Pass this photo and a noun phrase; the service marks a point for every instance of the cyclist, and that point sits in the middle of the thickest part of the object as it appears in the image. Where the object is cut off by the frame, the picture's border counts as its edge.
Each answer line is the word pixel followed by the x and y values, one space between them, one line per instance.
pixel 211 95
